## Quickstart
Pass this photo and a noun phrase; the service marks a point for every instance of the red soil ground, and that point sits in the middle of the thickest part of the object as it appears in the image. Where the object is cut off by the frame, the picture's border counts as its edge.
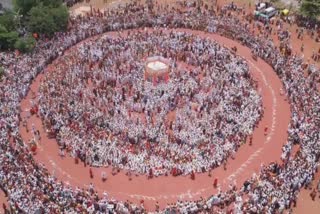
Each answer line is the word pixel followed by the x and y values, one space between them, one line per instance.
pixel 3 200
pixel 247 160
pixel 265 149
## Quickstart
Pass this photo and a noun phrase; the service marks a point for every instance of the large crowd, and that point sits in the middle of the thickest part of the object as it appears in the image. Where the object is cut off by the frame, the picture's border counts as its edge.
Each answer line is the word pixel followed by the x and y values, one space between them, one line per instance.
pixel 31 188
pixel 215 105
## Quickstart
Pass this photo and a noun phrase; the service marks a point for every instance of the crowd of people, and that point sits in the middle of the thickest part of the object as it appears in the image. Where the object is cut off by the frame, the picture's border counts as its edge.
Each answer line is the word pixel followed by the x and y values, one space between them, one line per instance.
pixel 31 188
pixel 101 112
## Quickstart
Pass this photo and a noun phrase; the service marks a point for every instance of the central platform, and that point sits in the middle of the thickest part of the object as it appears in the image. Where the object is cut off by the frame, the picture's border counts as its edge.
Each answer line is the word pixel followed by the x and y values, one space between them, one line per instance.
pixel 157 70
pixel 157 66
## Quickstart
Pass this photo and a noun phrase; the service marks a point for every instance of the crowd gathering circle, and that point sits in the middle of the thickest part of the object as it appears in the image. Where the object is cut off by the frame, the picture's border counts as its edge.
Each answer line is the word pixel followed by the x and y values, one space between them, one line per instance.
pixel 70 110
pixel 101 112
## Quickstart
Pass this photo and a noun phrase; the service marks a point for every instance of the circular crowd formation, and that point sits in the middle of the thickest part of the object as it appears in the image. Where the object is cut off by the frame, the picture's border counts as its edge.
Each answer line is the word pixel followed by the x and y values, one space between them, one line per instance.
pixel 31 188
pixel 101 108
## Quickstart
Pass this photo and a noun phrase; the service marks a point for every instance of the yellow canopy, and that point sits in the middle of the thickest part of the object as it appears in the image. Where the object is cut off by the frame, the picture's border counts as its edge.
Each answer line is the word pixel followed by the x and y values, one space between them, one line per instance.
pixel 285 12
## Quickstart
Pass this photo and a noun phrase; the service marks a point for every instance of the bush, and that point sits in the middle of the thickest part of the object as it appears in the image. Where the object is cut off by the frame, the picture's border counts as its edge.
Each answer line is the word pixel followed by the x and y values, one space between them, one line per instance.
pixel 25 44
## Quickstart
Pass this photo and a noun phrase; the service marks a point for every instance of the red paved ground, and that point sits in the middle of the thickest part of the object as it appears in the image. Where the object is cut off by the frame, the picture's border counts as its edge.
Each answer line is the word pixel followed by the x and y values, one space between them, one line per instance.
pixel 169 189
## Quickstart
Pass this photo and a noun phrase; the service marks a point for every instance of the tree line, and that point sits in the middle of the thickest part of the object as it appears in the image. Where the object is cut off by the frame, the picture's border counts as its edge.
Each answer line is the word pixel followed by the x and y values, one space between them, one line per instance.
pixel 30 19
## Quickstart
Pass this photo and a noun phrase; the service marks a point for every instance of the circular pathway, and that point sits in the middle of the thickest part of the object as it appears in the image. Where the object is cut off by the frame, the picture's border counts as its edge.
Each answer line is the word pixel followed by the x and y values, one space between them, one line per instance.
pixel 266 148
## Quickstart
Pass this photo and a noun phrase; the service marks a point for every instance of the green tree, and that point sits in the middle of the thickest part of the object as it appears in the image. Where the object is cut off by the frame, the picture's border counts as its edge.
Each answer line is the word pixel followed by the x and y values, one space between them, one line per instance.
pixel 8 39
pixel 51 3
pixel 8 20
pixel 3 29
pixel 47 20
pixel 60 16
pixel 25 44
pixel 310 8
pixel 36 16
pixel 24 6
pixel 41 21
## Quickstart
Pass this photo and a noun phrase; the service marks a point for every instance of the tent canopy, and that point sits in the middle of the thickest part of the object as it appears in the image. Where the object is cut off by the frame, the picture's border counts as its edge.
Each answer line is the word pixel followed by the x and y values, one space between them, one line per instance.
pixel 285 12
